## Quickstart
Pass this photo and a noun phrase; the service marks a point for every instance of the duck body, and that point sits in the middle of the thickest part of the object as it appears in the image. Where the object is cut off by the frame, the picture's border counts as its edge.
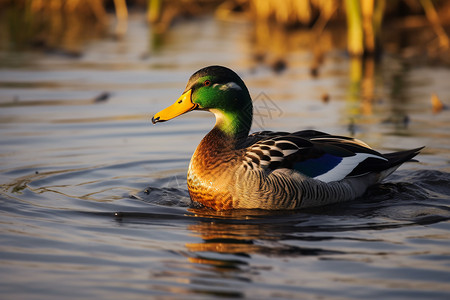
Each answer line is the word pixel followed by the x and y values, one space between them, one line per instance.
pixel 270 170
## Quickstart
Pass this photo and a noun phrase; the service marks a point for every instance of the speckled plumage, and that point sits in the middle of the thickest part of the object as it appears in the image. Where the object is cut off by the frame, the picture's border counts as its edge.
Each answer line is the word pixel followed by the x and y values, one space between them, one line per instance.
pixel 270 170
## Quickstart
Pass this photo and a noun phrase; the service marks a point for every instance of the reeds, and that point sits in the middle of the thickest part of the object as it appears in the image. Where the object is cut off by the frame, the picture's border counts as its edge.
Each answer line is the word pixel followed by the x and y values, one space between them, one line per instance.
pixel 364 20
pixel 364 17
pixel 436 23
pixel 81 8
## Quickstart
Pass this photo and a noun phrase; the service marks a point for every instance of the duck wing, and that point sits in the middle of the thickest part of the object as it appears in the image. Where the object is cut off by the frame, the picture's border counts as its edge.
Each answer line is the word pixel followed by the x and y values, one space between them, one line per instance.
pixel 319 155
pixel 265 135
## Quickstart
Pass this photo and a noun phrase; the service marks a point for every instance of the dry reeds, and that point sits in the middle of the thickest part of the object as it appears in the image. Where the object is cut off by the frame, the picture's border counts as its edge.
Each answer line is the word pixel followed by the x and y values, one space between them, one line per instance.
pixel 364 17
pixel 291 12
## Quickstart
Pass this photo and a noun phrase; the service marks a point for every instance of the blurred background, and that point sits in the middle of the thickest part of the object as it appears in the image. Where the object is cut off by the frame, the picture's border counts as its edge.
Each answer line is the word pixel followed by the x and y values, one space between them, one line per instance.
pixel 413 29
pixel 93 197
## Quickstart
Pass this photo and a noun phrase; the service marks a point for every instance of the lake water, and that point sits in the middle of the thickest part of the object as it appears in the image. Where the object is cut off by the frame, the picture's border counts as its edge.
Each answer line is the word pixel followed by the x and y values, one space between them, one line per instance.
pixel 93 197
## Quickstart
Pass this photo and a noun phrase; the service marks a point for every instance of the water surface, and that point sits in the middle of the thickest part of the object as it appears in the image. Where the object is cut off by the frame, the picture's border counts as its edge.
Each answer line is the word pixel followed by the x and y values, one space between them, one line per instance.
pixel 94 201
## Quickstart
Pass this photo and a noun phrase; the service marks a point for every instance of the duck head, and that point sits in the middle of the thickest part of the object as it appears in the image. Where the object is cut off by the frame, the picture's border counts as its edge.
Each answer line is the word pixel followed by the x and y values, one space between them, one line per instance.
pixel 219 90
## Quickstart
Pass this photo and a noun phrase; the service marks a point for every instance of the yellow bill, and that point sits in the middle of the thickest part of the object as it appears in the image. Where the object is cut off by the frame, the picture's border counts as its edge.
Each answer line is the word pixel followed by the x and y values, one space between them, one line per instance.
pixel 181 106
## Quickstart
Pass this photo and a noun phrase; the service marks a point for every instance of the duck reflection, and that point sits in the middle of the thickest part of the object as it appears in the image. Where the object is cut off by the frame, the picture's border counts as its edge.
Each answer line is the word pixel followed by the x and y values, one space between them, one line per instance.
pixel 243 233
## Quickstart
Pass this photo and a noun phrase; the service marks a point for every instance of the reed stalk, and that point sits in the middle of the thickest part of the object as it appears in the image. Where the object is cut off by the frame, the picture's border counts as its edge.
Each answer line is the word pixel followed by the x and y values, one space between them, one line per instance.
pixel 122 17
pixel 355 38
pixel 433 17
pixel 154 9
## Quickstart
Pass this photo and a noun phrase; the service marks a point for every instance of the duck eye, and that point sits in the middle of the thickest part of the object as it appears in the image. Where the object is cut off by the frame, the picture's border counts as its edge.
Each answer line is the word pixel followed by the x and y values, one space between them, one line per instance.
pixel 207 83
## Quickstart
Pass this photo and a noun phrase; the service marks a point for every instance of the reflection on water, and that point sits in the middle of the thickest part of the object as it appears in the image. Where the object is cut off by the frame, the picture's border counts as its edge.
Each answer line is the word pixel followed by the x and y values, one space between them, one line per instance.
pixel 390 206
pixel 94 201
pixel 318 252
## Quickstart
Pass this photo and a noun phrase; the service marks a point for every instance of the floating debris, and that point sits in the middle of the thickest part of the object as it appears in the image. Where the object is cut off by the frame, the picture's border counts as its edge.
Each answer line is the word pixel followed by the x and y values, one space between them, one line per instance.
pixel 279 66
pixel 325 97
pixel 436 104
pixel 314 71
pixel 102 97
pixel 118 215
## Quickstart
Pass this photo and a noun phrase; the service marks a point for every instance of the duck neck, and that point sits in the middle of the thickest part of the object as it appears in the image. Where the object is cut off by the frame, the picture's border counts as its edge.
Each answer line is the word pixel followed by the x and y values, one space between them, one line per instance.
pixel 233 125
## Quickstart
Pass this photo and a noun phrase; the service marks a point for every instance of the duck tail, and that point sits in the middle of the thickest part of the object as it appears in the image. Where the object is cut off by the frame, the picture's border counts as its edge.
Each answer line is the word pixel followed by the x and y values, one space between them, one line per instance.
pixel 397 158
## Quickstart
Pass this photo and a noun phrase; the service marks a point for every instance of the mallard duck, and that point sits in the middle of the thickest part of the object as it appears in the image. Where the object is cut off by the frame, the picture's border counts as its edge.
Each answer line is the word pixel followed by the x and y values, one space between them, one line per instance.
pixel 270 170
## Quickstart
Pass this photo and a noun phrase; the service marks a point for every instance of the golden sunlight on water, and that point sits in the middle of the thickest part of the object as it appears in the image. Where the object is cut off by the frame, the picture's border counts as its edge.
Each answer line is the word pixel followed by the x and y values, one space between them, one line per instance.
pixel 93 198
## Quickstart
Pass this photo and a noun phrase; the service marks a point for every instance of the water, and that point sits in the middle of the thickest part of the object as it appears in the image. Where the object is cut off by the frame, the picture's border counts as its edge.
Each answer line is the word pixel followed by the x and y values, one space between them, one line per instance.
pixel 94 201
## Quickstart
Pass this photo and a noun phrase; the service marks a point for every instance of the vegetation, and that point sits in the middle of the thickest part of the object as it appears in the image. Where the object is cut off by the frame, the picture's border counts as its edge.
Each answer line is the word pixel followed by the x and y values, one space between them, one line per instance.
pixel 51 22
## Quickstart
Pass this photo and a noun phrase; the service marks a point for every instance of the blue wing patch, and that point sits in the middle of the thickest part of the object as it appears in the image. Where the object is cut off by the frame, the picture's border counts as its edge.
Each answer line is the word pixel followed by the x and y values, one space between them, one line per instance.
pixel 317 166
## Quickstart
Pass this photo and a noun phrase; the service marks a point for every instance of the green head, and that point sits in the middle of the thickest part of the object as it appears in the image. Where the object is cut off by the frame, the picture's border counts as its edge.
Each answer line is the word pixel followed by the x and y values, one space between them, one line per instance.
pixel 218 90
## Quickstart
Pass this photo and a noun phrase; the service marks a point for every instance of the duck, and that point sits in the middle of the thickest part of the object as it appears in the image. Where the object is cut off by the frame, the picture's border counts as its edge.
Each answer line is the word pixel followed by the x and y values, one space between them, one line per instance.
pixel 270 170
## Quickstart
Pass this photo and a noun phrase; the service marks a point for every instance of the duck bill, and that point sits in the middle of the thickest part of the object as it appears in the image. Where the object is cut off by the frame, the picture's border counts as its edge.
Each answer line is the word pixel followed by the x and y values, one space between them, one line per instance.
pixel 181 106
